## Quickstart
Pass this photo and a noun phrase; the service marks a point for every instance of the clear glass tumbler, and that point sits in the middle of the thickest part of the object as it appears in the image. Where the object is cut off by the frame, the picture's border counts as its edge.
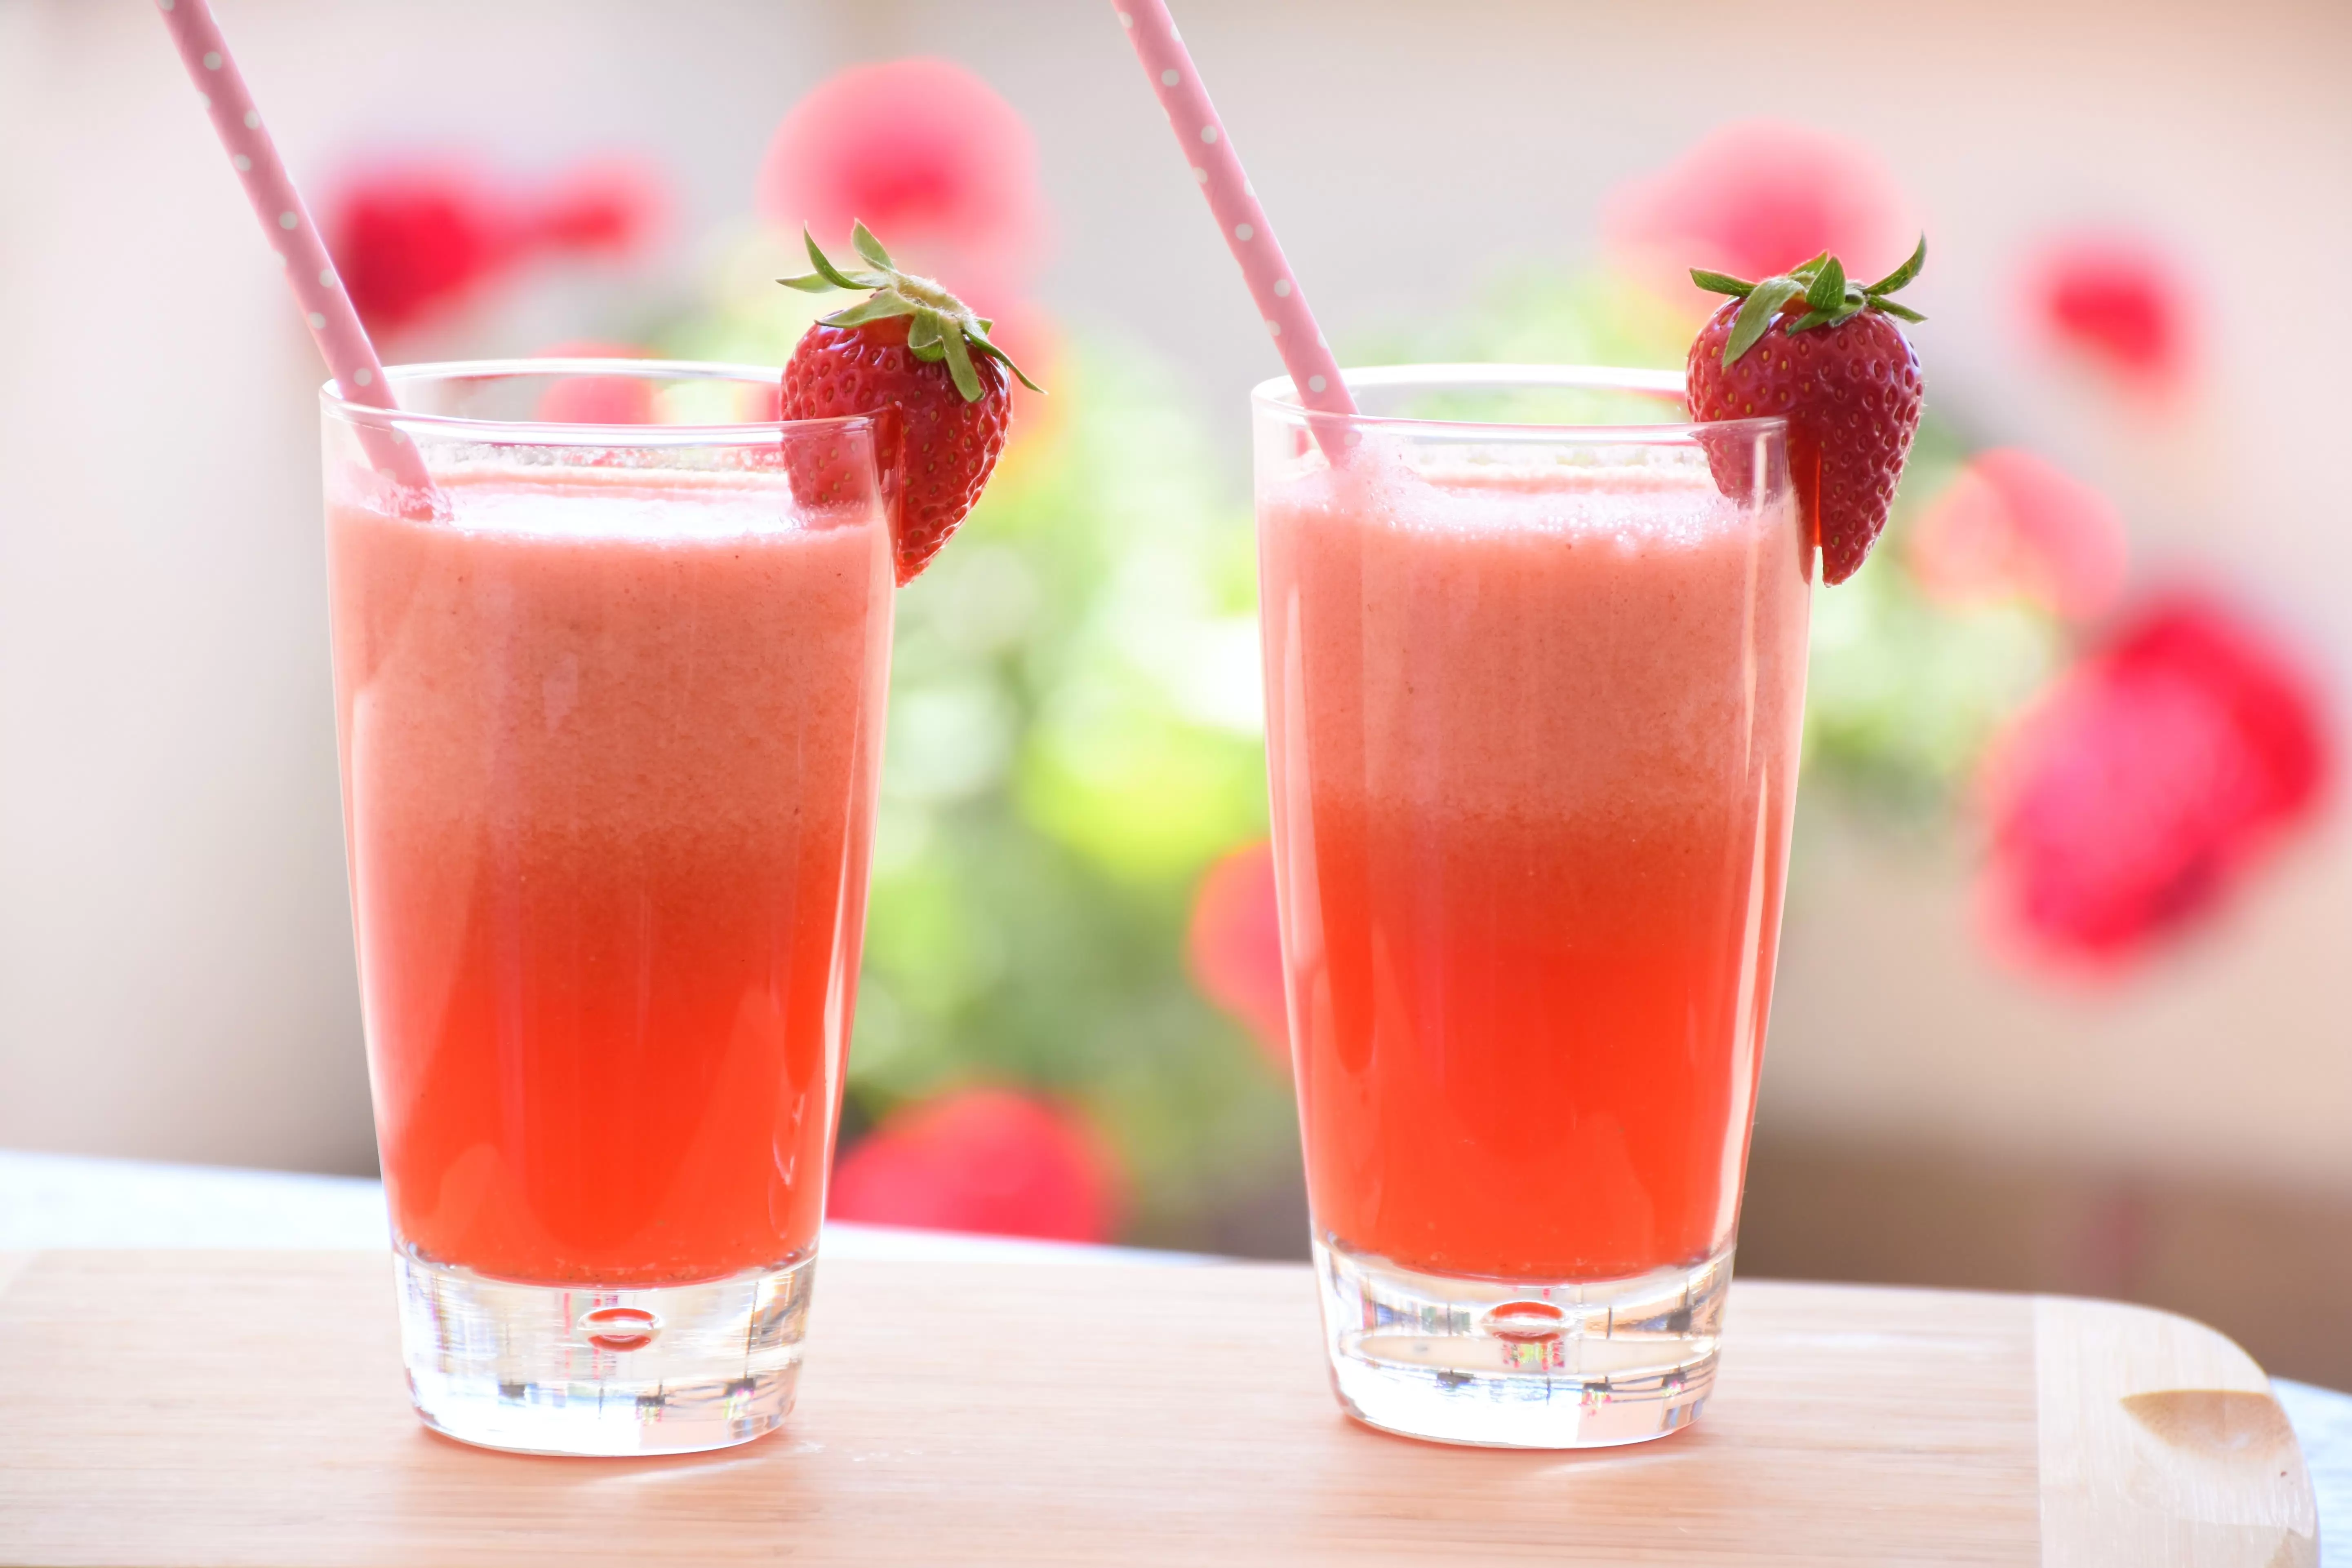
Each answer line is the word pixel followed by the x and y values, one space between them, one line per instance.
pixel 610 710
pixel 1535 668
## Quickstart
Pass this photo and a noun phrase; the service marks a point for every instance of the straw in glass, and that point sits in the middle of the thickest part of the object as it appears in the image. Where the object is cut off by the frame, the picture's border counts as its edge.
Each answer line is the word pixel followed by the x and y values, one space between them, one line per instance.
pixel 1218 169
pixel 326 306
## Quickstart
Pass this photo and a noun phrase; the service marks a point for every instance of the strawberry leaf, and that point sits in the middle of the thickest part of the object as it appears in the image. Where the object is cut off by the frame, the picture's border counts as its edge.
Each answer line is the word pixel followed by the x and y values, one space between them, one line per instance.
pixel 979 342
pixel 879 307
pixel 1755 315
pixel 1827 291
pixel 824 267
pixel 1900 313
pixel 1901 275
pixel 923 336
pixel 1721 283
pixel 960 367
pixel 809 283
pixel 870 247
pixel 1809 320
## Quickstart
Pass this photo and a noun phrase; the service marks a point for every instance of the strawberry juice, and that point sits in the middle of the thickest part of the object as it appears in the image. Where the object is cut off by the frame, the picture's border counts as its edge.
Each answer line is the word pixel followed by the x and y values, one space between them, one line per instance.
pixel 609 744
pixel 1533 738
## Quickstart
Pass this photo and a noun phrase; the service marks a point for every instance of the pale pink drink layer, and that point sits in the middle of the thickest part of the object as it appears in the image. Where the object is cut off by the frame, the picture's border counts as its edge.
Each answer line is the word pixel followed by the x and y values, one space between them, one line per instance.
pixel 609 747
pixel 1533 738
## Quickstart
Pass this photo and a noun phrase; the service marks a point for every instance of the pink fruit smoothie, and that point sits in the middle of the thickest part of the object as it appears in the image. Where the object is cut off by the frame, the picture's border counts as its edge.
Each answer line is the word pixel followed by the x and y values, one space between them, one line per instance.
pixel 609 746
pixel 1533 740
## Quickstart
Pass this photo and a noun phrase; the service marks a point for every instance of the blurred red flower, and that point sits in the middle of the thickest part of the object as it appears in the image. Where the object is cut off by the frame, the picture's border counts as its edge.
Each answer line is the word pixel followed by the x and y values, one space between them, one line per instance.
pixel 991 1161
pixel 2135 797
pixel 411 240
pixel 1757 197
pixel 1236 946
pixel 595 399
pixel 607 206
pixel 933 160
pixel 2012 522
pixel 2117 302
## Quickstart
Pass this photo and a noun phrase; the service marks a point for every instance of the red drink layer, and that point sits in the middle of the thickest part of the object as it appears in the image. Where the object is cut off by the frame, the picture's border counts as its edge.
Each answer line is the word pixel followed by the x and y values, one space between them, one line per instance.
pixel 1533 741
pixel 609 748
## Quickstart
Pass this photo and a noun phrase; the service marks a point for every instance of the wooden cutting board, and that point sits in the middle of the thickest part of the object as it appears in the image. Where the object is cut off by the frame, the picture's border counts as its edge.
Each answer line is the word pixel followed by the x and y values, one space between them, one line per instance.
pixel 184 1408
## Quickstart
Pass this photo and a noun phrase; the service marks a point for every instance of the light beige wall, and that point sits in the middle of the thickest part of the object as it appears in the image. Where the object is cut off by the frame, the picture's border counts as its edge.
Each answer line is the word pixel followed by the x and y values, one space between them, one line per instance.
pixel 175 970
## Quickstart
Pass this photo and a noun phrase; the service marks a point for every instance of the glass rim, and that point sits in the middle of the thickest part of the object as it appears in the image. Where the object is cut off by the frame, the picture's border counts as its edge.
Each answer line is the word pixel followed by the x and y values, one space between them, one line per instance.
pixel 543 432
pixel 1279 396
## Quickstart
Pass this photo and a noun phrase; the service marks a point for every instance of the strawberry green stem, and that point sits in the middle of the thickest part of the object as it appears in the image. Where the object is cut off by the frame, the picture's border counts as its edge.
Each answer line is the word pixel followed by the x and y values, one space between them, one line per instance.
pixel 943 329
pixel 1830 301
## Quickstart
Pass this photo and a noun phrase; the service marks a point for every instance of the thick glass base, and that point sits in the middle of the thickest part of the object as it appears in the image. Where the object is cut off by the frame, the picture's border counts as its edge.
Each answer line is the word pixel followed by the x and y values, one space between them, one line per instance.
pixel 553 1370
pixel 1521 1364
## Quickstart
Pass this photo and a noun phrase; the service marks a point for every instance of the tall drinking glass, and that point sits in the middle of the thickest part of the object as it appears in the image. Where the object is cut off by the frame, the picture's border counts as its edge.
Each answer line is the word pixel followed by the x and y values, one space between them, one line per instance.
pixel 1535 668
pixel 610 724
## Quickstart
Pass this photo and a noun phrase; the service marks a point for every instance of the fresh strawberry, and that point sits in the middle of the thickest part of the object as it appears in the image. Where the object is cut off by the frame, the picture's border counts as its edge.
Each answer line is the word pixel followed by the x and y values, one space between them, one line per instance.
pixel 918 358
pixel 1812 347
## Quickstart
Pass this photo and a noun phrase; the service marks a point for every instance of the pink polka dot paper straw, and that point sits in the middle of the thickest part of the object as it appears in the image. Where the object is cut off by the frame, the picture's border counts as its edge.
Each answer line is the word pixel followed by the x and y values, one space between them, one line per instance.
pixel 1218 169
pixel 335 324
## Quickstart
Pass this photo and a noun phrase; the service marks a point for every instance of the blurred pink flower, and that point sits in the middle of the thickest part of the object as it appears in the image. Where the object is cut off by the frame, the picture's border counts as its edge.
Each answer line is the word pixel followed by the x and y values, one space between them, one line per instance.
pixel 2117 302
pixel 931 156
pixel 2134 798
pixel 2012 522
pixel 411 240
pixel 1236 946
pixel 991 1161
pixel 1757 197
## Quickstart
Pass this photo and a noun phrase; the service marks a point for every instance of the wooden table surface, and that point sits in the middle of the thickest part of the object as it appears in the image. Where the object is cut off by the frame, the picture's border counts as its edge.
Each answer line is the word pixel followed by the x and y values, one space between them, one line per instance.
pixel 232 1409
